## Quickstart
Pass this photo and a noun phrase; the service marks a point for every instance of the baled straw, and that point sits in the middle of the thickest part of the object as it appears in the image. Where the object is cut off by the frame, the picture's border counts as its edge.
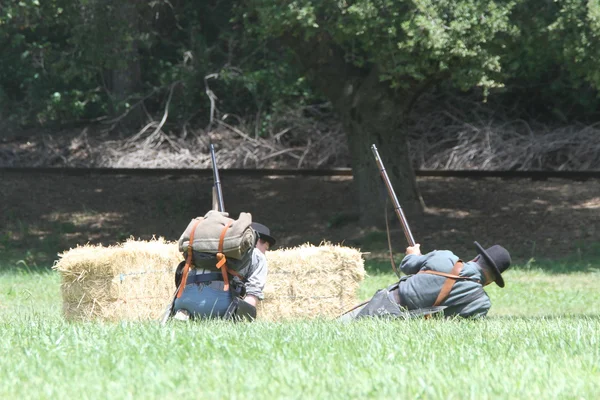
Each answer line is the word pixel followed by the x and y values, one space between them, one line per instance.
pixel 132 281
pixel 135 281
pixel 311 282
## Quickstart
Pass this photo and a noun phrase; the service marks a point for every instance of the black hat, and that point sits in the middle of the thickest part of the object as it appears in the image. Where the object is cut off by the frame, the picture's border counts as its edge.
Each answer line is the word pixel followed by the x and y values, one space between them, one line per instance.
pixel 498 258
pixel 264 233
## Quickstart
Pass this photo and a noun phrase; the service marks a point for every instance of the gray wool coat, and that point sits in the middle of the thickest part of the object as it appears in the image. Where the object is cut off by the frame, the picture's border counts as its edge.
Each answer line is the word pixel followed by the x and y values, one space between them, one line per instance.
pixel 466 299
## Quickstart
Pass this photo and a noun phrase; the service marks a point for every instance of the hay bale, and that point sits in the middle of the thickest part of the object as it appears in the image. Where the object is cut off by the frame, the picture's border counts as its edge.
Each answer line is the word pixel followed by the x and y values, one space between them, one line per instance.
pixel 134 281
pixel 129 281
pixel 311 281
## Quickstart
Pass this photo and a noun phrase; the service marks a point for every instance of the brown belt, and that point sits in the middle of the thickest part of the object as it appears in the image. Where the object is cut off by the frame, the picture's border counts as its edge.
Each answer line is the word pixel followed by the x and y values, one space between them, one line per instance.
pixel 396 296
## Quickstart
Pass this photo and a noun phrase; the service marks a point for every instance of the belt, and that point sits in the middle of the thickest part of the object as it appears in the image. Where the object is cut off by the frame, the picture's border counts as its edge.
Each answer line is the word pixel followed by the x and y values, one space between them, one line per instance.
pixel 205 277
pixel 395 292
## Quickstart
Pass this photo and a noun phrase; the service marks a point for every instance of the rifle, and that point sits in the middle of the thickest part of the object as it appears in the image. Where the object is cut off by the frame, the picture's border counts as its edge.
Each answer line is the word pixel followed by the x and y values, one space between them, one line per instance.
pixel 217 191
pixel 238 309
pixel 378 309
pixel 218 204
pixel 397 208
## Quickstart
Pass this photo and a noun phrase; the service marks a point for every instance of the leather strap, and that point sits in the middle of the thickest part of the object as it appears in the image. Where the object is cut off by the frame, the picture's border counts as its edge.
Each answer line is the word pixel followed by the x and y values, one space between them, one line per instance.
pixel 204 278
pixel 457 277
pixel 221 259
pixel 450 281
pixel 188 260
pixel 387 228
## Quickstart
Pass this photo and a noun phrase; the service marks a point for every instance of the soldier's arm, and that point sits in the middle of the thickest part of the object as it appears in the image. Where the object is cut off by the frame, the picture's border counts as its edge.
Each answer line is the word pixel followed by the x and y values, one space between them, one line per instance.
pixel 257 278
pixel 413 260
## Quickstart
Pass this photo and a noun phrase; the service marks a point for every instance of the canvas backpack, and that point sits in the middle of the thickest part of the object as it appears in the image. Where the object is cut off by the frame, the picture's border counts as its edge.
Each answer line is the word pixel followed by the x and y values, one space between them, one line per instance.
pixel 220 243
pixel 238 236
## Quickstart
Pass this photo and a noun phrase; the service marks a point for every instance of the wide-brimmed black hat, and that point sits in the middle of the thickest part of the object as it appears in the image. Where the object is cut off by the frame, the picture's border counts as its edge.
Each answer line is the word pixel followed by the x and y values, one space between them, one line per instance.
pixel 264 233
pixel 498 258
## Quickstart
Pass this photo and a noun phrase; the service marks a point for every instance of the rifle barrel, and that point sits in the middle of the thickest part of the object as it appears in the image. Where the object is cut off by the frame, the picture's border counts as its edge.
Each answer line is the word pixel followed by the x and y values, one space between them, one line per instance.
pixel 217 179
pixel 390 189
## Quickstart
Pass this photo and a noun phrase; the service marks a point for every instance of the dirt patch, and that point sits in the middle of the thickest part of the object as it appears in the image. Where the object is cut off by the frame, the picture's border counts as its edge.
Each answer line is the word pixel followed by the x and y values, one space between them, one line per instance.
pixel 45 214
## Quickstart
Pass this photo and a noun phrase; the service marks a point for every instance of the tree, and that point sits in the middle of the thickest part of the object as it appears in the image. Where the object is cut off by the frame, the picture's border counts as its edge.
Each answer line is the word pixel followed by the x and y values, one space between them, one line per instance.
pixel 374 58
pixel 108 37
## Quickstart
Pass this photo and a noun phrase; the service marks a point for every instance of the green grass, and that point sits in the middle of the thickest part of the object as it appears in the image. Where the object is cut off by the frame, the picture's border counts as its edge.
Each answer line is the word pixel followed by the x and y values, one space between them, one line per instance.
pixel 541 340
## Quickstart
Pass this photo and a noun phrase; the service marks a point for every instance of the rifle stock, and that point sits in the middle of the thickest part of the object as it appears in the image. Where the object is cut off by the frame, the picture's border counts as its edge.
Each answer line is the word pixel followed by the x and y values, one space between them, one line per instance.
pixel 392 194
pixel 217 191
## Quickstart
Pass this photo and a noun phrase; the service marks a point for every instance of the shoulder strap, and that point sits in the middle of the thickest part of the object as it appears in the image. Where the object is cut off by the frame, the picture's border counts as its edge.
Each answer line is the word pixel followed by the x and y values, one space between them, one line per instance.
pixel 387 228
pixel 222 261
pixel 452 276
pixel 449 283
pixel 188 260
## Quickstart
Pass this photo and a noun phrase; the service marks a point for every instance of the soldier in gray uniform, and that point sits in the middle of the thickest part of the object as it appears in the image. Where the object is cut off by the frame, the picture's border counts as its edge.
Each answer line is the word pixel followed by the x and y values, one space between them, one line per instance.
pixel 439 280
pixel 209 300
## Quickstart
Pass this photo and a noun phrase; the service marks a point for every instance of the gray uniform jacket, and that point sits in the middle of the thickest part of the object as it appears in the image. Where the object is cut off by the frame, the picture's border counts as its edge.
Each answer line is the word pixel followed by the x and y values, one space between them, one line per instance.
pixel 466 299
pixel 256 273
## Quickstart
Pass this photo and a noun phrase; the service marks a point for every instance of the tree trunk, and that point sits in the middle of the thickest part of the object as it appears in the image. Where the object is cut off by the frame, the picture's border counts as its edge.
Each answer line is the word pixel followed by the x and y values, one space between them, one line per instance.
pixel 371 114
pixel 124 77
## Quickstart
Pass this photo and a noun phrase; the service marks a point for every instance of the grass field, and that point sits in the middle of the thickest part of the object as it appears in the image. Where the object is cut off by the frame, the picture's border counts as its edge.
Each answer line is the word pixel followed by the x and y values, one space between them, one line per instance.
pixel 541 340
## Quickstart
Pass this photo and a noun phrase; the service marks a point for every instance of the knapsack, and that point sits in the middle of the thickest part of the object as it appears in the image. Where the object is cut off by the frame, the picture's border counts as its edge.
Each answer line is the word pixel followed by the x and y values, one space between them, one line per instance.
pixel 218 242
pixel 238 236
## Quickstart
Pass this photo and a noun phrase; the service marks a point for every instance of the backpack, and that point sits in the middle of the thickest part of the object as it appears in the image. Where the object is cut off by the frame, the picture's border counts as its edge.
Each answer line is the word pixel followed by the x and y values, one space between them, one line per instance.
pixel 238 236
pixel 220 243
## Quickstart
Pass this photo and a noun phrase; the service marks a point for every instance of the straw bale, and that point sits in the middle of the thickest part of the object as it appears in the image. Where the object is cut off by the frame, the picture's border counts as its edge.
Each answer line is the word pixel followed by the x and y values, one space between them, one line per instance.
pixel 129 281
pixel 134 281
pixel 311 282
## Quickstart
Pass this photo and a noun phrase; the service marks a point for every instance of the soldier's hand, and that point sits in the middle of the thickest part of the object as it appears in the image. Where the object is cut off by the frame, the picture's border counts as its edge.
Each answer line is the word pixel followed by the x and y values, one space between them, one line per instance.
pixel 416 249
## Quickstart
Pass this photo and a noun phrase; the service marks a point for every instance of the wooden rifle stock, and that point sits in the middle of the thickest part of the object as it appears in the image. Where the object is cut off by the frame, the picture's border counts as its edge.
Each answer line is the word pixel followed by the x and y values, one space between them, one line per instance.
pixel 397 208
pixel 217 191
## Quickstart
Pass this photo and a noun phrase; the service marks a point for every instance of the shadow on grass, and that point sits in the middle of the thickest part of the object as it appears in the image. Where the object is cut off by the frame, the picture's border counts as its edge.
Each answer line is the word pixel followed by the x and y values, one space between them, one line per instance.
pixel 28 250
pixel 537 222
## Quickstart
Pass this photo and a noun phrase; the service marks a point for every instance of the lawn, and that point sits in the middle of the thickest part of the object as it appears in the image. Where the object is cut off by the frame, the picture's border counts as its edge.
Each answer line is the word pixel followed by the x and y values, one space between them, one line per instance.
pixel 540 340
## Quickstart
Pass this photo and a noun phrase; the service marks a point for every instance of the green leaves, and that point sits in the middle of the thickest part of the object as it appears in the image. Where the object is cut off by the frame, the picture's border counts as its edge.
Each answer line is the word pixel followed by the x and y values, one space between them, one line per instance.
pixel 407 40
pixel 63 46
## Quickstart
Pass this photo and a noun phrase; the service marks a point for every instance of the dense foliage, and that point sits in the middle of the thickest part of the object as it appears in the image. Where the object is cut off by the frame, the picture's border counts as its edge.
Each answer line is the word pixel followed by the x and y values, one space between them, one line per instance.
pixel 72 61
pixel 407 40
pixel 60 58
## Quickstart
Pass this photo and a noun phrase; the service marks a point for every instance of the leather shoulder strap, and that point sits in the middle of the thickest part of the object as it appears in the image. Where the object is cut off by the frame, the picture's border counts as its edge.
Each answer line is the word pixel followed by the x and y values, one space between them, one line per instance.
pixel 387 228
pixel 188 260
pixel 221 259
pixel 449 283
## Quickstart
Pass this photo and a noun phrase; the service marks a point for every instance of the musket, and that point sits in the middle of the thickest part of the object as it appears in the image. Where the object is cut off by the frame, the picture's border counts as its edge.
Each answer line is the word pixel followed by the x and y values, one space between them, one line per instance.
pixel 217 191
pixel 218 205
pixel 354 312
pixel 390 189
